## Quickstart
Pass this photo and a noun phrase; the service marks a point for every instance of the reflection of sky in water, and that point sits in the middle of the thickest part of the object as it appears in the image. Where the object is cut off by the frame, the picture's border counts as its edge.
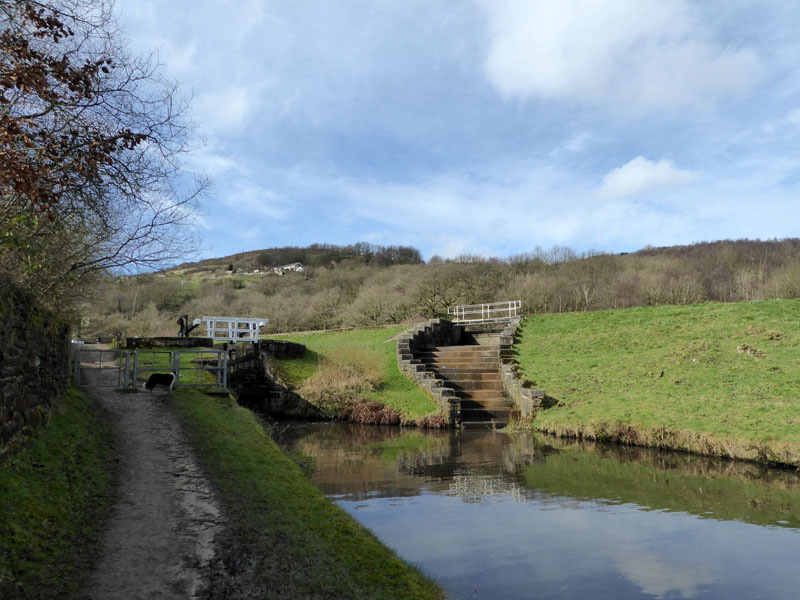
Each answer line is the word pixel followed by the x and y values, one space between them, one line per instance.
pixel 506 549
pixel 501 517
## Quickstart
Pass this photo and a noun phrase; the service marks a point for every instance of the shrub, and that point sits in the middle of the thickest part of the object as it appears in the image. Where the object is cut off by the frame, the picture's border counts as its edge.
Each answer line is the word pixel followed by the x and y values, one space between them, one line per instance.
pixel 343 375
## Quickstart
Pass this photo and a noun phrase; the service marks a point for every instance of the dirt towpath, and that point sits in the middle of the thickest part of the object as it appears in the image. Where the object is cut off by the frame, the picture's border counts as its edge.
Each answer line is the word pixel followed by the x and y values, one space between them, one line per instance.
pixel 161 534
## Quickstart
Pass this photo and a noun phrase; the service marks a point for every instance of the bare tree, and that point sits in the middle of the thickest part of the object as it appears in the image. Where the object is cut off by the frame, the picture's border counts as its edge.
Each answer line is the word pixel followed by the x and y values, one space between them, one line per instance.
pixel 91 148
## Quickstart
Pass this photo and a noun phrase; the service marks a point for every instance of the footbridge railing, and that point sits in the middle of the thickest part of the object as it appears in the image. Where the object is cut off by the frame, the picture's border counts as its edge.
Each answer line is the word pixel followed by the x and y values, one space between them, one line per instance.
pixel 233 329
pixel 493 312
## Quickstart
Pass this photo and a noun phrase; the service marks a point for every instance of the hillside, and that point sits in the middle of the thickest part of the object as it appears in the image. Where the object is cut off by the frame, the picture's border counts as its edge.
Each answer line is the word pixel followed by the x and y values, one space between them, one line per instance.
pixel 363 285
pixel 717 379
pixel 316 255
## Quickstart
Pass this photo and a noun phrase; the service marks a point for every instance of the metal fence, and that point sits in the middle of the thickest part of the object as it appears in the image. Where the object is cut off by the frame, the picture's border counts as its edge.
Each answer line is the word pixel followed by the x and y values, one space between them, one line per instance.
pixel 192 368
pixel 96 367
pixel 485 313
pixel 206 368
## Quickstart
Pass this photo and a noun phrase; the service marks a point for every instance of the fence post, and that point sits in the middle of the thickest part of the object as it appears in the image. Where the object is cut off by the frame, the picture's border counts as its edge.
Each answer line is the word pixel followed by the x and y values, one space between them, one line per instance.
pixel 126 376
pixel 176 366
pixel 76 367
pixel 135 379
pixel 224 369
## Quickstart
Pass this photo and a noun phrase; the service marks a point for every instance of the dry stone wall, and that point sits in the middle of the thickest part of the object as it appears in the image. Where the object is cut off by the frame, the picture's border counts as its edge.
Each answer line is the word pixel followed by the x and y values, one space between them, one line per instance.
pixel 34 366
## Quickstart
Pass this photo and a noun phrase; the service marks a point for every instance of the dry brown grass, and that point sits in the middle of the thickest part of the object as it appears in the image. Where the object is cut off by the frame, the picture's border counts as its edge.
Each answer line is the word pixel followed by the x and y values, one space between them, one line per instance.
pixel 342 380
pixel 370 412
pixel 681 440
pixel 343 375
pixel 436 421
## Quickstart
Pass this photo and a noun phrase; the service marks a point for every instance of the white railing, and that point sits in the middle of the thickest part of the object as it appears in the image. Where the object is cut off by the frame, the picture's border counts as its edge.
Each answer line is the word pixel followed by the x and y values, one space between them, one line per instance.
pixel 485 313
pixel 233 329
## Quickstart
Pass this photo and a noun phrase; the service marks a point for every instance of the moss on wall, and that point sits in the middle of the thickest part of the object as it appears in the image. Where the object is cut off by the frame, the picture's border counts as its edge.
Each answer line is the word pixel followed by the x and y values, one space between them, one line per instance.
pixel 34 363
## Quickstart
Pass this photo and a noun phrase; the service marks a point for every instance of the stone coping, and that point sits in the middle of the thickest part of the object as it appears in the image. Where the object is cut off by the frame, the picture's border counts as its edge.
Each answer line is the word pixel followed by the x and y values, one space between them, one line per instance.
pixel 529 399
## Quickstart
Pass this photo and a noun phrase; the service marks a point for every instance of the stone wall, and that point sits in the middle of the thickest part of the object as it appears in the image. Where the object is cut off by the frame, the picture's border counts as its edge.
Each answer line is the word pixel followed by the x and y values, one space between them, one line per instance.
pixel 34 366
pixel 255 384
pixel 520 390
pixel 436 332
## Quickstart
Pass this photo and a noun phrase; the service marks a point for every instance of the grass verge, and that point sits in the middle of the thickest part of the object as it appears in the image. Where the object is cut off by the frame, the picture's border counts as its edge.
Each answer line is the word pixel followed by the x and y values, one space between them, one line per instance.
pixel 717 379
pixel 370 355
pixel 302 545
pixel 54 498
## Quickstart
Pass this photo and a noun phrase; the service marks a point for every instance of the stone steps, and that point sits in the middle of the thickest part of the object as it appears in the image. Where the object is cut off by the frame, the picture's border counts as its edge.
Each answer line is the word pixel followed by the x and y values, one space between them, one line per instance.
pixel 500 415
pixel 473 373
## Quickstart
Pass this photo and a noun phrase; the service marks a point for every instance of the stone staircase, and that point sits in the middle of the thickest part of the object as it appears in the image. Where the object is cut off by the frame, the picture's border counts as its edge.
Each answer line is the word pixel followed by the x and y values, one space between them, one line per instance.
pixel 473 373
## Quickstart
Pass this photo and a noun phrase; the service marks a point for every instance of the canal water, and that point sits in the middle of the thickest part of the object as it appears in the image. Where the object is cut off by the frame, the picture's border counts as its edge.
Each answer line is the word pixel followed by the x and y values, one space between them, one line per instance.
pixel 501 516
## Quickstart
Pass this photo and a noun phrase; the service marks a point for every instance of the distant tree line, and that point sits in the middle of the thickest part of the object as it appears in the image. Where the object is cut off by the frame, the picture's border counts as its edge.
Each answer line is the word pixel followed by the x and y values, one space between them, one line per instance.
pixel 331 255
pixel 364 293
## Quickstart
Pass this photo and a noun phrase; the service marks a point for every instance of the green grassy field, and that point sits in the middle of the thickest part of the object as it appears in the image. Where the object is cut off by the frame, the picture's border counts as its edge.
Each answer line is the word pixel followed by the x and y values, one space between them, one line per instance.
pixel 361 345
pixel 54 498
pixel 303 545
pixel 715 378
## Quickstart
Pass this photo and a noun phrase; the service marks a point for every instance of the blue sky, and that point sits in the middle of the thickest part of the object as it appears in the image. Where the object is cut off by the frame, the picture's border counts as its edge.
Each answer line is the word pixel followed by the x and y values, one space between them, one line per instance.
pixel 486 126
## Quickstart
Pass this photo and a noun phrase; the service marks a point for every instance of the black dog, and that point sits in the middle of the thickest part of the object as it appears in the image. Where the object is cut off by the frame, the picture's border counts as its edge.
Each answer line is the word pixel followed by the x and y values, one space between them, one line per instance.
pixel 165 379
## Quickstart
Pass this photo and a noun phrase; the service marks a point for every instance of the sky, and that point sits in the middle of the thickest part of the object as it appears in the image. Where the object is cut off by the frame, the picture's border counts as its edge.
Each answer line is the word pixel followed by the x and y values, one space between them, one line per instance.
pixel 487 127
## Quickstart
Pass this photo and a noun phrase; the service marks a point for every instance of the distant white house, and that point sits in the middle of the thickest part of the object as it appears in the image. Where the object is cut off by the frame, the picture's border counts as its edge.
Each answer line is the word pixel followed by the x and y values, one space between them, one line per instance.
pixel 296 267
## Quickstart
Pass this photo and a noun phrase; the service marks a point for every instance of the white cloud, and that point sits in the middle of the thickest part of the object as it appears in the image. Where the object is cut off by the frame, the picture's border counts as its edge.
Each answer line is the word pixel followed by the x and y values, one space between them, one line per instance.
pixel 628 54
pixel 660 575
pixel 575 144
pixel 330 123
pixel 793 117
pixel 641 175
pixel 225 110
pixel 248 202
pixel 213 162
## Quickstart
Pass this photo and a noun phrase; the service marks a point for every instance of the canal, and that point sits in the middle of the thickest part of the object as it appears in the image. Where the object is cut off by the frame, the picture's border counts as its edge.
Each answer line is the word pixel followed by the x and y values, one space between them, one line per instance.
pixel 495 515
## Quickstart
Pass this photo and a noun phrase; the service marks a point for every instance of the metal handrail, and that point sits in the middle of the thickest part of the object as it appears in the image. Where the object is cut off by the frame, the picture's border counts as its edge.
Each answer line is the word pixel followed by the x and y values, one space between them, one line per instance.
pixel 233 329
pixel 489 312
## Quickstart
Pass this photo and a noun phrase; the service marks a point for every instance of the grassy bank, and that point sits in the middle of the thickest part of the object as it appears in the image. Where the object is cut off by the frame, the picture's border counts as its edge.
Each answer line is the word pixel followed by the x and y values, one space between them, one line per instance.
pixel 358 362
pixel 718 379
pixel 54 497
pixel 300 545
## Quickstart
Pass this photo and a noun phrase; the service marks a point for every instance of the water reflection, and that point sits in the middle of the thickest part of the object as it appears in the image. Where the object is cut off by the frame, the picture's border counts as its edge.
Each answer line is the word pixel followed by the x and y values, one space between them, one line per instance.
pixel 495 515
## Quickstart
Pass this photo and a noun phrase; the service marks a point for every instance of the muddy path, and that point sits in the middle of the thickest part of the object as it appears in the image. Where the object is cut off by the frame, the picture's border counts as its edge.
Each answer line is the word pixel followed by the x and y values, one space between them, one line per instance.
pixel 160 539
